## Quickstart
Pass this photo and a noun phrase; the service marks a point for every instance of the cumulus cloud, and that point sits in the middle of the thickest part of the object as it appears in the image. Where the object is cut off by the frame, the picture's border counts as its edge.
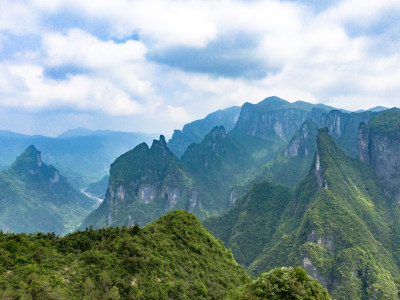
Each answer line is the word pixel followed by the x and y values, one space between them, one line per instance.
pixel 175 60
pixel 82 49
pixel 35 92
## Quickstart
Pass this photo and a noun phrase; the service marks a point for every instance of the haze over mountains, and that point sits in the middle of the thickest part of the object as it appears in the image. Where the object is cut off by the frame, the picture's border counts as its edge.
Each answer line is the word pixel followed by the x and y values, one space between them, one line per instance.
pixel 280 183
pixel 82 155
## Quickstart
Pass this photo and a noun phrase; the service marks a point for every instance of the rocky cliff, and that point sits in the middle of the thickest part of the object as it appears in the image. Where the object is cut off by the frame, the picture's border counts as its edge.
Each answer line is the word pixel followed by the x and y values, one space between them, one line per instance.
pixel 144 184
pixel 379 146
pixel 343 127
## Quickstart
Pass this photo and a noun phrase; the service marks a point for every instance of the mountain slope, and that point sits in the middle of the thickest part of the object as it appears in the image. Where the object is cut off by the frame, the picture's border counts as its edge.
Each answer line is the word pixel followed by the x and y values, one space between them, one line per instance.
pixel 337 224
pixel 265 128
pixel 174 257
pixel 252 221
pixel 338 227
pixel 144 184
pixel 36 197
pixel 295 160
pixel 218 163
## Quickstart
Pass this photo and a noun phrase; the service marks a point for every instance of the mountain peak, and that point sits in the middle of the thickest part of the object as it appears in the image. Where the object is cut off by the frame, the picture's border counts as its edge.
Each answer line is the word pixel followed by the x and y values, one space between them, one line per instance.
pixel 218 131
pixel 31 156
pixel 160 144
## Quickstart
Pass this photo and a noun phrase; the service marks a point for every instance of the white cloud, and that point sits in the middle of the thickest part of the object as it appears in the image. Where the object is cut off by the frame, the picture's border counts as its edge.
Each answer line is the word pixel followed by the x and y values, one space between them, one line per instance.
pixel 36 92
pixel 17 17
pixel 311 54
pixel 80 48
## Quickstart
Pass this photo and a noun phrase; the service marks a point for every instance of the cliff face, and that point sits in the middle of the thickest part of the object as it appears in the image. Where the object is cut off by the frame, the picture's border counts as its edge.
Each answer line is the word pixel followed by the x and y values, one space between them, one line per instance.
pixel 338 225
pixel 379 146
pixel 343 127
pixel 280 123
pixel 217 163
pixel 144 184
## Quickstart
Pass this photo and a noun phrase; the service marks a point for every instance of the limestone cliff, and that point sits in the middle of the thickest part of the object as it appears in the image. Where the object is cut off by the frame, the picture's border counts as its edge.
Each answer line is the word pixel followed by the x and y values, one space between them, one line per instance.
pixel 379 146
pixel 144 184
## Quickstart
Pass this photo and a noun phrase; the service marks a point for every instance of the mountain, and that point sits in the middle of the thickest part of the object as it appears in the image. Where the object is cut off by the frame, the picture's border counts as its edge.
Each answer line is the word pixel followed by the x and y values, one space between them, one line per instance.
pixel 195 132
pixel 337 224
pixel 174 257
pixel 36 197
pixel 252 221
pixel 343 127
pixel 82 159
pixel 266 127
pixel 144 184
pixel 204 176
pixel 379 146
pixel 218 163
pixel 293 163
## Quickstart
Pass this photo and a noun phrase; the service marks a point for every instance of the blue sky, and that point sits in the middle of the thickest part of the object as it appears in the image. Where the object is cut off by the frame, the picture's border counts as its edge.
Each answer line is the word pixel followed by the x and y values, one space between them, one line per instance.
pixel 152 66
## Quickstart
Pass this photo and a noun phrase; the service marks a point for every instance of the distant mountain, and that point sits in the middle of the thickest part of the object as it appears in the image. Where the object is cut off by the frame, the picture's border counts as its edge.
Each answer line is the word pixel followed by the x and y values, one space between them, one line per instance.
pixel 343 127
pixel 293 163
pixel 337 224
pixel 144 184
pixel 82 159
pixel 266 127
pixel 203 178
pixel 35 197
pixel 218 163
pixel 194 132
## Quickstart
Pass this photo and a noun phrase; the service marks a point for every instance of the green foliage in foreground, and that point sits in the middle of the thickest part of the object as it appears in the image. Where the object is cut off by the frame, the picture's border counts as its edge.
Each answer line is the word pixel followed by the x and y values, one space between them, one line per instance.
pixel 282 283
pixel 174 257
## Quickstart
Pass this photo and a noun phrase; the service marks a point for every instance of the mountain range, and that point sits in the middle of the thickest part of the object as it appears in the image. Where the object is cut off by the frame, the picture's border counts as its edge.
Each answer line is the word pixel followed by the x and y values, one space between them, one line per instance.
pixel 280 183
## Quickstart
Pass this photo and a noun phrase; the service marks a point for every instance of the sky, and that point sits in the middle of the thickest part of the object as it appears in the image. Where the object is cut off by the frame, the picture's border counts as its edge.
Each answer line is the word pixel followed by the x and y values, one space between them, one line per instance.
pixel 154 65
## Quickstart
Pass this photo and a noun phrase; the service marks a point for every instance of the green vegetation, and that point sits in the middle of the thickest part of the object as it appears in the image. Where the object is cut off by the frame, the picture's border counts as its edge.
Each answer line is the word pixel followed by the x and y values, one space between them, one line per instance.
pixel 252 221
pixel 144 184
pixel 172 258
pixel 217 163
pixel 387 123
pixel 35 197
pixel 282 283
pixel 293 163
pixel 337 224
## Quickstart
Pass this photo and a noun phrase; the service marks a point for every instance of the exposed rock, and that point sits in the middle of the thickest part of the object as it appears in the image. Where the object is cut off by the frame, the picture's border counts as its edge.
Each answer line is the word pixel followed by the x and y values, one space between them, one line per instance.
pixel 232 197
pixel 194 200
pixel 313 271
pixel 55 178
pixel 147 193
pixel 379 146
pixel 327 243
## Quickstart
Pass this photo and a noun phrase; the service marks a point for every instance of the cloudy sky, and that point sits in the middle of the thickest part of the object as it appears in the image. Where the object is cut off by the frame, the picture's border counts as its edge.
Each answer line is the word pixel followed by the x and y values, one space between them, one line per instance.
pixel 153 65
